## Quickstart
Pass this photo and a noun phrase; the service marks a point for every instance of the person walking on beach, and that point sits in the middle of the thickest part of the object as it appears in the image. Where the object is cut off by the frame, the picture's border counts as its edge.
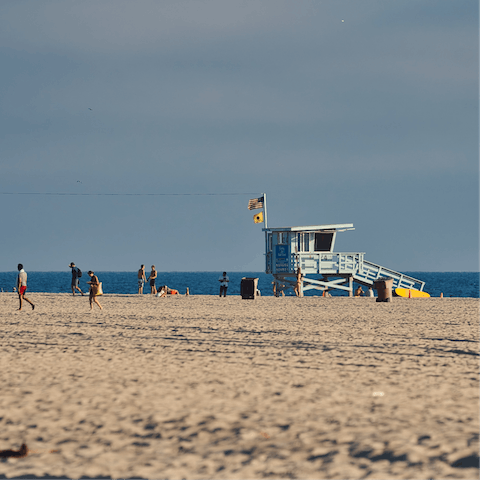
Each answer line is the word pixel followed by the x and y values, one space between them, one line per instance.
pixel 223 284
pixel 94 284
pixel 76 274
pixel 151 278
pixel 141 279
pixel 22 286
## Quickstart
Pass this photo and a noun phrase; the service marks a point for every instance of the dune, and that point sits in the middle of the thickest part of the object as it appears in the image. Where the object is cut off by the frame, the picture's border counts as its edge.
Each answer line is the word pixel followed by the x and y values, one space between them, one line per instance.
pixel 204 387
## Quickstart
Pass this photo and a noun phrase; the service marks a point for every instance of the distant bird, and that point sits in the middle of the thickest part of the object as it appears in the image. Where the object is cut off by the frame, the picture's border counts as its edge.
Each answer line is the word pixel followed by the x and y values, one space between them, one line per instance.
pixel 91 109
pixel 78 181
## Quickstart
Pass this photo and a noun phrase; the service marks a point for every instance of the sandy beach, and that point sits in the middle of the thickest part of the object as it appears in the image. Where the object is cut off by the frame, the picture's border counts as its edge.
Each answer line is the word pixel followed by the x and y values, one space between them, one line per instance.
pixel 204 387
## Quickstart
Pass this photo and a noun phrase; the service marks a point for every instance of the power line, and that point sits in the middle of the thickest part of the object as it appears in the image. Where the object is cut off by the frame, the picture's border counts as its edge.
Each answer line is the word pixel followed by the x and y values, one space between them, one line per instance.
pixel 126 194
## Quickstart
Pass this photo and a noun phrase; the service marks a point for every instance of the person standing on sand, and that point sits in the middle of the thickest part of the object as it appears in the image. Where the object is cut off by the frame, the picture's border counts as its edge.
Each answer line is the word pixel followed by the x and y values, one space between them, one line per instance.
pixel 141 279
pixel 22 286
pixel 151 278
pixel 94 283
pixel 298 284
pixel 75 278
pixel 223 284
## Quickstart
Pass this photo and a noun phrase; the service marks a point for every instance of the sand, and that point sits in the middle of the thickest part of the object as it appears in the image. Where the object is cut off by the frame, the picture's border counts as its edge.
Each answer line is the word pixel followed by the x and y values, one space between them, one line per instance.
pixel 203 387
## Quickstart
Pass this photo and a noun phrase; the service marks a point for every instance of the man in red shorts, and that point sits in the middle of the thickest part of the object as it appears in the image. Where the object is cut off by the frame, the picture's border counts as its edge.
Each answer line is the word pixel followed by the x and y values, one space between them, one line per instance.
pixel 22 286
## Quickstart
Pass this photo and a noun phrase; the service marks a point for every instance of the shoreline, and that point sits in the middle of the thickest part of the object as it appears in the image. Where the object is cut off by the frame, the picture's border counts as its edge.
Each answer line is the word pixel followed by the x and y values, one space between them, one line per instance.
pixel 235 295
pixel 451 285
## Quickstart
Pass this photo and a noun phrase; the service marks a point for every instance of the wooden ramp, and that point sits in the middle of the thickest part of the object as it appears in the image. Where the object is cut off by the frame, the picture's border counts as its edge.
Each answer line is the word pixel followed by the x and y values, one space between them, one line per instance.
pixel 368 272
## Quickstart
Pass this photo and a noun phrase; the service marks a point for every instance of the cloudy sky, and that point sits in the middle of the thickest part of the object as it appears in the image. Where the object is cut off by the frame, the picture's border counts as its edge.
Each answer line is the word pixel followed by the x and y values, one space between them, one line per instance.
pixel 358 111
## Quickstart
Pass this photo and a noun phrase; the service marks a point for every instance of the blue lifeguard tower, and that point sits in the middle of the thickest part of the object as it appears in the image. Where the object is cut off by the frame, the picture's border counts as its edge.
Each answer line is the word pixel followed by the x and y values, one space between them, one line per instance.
pixel 312 249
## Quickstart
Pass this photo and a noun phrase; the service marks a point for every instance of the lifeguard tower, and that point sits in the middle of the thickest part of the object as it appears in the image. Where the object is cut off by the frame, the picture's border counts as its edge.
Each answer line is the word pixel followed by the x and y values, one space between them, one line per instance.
pixel 312 249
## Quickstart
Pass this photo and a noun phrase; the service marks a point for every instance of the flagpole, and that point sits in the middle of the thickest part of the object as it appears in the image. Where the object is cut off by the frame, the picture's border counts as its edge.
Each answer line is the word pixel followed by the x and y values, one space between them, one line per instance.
pixel 265 229
pixel 265 209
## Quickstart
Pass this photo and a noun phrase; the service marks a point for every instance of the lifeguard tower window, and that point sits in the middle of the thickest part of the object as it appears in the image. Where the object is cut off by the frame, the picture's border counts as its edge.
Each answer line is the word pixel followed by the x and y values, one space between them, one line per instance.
pixel 303 242
pixel 323 242
pixel 282 238
pixel 306 242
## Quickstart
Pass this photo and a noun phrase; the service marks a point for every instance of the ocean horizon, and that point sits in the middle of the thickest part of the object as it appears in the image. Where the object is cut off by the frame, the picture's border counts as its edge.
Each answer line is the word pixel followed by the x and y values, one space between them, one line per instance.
pixel 451 284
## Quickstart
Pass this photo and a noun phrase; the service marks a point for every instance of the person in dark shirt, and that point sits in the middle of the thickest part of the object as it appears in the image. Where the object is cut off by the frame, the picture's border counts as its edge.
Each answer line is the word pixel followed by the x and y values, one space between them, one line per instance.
pixel 75 279
pixel 151 279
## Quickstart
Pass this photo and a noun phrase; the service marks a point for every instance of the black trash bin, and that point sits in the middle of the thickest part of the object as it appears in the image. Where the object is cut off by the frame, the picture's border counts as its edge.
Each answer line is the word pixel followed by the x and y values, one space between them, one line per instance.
pixel 248 288
pixel 383 286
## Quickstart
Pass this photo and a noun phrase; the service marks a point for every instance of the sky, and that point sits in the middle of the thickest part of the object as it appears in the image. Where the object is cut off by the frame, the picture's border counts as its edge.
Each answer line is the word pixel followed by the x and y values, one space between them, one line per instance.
pixel 362 112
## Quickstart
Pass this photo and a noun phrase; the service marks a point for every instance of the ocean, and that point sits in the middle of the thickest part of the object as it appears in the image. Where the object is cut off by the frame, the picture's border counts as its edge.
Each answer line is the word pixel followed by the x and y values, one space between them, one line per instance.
pixel 451 284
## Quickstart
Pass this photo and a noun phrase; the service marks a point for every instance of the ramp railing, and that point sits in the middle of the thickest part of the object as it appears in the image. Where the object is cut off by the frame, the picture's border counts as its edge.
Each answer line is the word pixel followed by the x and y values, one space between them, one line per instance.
pixel 371 271
pixel 351 263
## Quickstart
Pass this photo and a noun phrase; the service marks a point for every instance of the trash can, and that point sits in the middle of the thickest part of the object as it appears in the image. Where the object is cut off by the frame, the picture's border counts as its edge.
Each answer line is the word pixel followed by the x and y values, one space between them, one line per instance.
pixel 248 287
pixel 383 286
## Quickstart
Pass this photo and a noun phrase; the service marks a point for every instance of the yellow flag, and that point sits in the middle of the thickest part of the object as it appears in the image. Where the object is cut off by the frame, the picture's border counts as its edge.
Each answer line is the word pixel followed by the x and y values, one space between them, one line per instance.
pixel 258 217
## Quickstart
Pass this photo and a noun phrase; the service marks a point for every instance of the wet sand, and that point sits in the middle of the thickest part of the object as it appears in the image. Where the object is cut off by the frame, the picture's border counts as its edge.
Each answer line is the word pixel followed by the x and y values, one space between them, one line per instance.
pixel 203 387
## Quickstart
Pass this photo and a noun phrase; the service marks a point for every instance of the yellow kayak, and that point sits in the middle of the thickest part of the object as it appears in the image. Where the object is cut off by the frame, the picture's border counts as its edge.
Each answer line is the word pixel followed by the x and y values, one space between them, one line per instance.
pixel 410 293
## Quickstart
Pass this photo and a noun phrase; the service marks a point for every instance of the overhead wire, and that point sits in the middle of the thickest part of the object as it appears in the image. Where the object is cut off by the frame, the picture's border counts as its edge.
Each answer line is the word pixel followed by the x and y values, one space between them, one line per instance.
pixel 126 194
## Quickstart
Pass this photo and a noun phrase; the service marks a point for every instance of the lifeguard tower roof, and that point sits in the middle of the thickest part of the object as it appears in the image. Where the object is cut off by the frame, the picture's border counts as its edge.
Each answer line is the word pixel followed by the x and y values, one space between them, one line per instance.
pixel 339 227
